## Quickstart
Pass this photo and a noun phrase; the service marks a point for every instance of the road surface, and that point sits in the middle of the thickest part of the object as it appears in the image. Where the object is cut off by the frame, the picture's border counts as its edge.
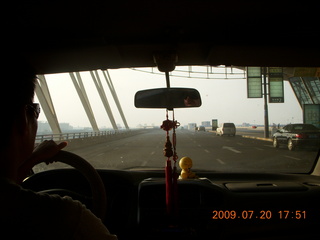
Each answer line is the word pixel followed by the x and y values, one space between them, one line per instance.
pixel 208 152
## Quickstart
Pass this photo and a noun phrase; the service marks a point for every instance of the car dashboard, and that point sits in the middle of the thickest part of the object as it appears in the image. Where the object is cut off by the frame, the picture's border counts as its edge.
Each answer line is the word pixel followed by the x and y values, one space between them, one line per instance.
pixel 215 206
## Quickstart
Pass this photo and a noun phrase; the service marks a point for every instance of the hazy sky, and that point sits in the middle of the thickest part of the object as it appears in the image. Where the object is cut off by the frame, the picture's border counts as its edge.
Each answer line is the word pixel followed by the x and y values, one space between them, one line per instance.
pixel 225 100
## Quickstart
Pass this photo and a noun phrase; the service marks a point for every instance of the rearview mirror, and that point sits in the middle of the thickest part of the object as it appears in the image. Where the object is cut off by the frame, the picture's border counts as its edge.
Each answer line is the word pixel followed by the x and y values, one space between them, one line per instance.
pixel 167 98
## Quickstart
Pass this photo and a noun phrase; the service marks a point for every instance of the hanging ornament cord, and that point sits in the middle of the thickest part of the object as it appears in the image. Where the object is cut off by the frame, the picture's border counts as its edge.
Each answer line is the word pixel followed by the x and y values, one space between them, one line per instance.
pixel 171 174
pixel 174 172
pixel 167 151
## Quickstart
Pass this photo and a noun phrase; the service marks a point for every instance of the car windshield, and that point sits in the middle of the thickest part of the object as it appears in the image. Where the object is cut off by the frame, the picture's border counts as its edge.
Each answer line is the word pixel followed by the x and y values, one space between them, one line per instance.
pixel 95 113
pixel 228 125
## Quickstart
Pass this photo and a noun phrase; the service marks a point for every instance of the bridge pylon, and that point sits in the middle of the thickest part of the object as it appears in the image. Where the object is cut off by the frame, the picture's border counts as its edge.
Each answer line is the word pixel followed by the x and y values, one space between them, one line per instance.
pixel 43 94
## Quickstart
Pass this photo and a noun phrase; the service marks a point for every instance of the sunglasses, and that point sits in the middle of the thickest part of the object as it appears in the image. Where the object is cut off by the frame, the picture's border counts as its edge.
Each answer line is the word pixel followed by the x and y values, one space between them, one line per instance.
pixel 36 108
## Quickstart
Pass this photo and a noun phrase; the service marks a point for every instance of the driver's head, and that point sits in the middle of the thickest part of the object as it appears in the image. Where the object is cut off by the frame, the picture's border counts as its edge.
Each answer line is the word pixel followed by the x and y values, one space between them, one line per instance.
pixel 18 113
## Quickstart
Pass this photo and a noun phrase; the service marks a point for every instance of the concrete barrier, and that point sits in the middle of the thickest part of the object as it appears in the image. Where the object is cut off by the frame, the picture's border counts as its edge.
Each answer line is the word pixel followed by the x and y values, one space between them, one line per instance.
pixel 80 142
pixel 90 141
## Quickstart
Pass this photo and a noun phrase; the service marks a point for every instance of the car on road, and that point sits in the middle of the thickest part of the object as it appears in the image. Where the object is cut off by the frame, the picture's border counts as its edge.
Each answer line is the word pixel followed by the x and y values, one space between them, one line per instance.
pixel 236 188
pixel 226 129
pixel 297 135
pixel 201 129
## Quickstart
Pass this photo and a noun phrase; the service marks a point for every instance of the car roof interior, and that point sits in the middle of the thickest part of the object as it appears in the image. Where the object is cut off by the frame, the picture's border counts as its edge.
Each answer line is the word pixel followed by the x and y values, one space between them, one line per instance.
pixel 80 36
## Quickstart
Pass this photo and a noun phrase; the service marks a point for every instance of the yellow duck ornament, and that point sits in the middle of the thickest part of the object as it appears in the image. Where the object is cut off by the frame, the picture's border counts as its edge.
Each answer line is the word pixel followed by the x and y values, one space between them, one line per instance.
pixel 185 164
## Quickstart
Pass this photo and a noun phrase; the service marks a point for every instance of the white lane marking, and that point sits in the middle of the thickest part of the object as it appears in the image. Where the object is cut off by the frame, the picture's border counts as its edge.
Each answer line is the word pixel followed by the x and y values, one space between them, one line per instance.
pixel 231 149
pixel 207 151
pixel 292 157
pixel 152 153
pixel 220 161
pixel 100 154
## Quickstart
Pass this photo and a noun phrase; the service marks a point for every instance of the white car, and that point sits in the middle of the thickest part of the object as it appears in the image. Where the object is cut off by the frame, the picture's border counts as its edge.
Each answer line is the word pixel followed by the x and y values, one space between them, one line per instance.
pixel 226 129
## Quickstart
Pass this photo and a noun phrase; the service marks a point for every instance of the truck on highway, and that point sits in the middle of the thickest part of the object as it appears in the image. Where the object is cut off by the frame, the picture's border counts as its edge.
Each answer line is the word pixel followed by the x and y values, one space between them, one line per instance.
pixel 192 126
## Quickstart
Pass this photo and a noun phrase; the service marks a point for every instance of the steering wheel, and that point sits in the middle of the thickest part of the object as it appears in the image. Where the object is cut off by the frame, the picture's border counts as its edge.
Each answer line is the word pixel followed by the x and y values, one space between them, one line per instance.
pixel 99 198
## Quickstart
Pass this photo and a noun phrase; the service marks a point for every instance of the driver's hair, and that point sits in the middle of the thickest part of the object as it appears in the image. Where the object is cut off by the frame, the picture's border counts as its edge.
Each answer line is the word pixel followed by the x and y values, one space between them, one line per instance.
pixel 18 80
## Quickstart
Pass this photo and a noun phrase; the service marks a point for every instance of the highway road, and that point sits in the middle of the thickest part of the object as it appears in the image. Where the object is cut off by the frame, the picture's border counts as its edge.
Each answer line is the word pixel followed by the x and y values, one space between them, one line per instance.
pixel 208 152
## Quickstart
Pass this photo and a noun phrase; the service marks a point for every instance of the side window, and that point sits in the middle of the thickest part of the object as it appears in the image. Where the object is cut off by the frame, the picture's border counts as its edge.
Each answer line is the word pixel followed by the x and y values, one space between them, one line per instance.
pixel 288 128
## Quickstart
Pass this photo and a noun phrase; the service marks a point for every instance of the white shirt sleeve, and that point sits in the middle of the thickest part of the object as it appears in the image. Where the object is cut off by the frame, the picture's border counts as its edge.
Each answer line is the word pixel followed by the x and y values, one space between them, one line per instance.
pixel 91 227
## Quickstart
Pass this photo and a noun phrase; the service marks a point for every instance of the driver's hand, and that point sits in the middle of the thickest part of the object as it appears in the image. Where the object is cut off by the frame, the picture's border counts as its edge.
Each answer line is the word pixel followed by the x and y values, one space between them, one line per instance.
pixel 42 153
pixel 46 150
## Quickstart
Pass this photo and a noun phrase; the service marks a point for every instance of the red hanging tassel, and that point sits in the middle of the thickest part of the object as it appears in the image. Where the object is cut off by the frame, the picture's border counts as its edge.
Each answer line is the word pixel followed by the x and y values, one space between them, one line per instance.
pixel 169 187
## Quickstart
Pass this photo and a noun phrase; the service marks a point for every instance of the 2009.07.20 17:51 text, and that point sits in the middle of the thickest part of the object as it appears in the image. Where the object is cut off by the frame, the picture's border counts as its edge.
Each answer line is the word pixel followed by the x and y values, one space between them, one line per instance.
pixel 263 214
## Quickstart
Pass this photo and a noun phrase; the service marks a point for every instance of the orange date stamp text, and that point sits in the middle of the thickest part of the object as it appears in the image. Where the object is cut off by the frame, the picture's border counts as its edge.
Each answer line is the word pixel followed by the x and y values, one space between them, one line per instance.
pixel 260 214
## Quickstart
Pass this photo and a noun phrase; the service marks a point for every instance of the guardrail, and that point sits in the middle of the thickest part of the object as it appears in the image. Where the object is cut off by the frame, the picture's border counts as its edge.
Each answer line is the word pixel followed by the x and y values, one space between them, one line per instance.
pixel 78 135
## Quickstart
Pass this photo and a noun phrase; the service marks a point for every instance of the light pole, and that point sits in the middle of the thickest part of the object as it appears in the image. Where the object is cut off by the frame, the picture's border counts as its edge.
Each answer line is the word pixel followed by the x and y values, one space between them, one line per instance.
pixel 266 114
